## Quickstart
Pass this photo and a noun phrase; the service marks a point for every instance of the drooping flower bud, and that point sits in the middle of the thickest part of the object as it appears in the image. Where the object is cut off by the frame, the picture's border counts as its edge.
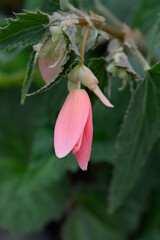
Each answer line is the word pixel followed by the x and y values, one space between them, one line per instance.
pixel 52 56
pixel 84 75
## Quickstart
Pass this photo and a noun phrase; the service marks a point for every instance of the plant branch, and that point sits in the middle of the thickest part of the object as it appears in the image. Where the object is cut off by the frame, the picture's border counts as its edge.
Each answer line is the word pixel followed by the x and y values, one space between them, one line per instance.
pixel 140 57
pixel 104 27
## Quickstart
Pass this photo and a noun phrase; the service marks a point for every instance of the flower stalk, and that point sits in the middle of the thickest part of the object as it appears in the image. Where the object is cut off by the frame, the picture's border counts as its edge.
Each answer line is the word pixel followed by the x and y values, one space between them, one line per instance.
pixel 83 45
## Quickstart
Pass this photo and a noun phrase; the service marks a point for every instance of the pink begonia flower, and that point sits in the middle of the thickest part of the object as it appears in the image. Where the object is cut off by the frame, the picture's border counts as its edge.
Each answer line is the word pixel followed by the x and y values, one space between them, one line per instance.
pixel 74 128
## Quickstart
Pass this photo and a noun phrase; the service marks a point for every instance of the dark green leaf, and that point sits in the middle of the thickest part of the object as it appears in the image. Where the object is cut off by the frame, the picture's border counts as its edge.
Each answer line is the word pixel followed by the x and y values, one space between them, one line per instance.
pixel 30 209
pixel 25 30
pixel 98 67
pixel 146 15
pixel 103 151
pixel 31 177
pixel 94 202
pixel 50 6
pixel 27 38
pixel 86 226
pixel 140 131
pixel 155 41
pixel 28 77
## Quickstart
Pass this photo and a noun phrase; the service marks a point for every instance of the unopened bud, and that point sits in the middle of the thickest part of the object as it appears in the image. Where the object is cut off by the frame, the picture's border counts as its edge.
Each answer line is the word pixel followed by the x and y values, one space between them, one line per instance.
pixel 84 75
pixel 51 57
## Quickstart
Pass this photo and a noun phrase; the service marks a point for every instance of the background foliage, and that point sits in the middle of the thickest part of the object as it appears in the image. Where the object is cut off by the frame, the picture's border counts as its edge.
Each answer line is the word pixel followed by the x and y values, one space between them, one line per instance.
pixel 118 198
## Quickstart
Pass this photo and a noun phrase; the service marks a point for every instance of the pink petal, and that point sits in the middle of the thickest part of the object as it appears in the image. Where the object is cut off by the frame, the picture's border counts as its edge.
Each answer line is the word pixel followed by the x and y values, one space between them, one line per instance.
pixel 102 97
pixel 48 73
pixel 84 152
pixel 78 145
pixel 71 122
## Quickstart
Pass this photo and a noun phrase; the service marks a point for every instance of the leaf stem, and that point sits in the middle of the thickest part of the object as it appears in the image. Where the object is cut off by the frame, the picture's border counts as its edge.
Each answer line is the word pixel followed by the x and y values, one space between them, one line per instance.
pixel 84 40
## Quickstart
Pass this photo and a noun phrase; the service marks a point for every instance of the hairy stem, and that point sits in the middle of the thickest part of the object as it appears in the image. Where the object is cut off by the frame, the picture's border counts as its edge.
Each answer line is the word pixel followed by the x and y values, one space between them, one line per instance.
pixel 84 40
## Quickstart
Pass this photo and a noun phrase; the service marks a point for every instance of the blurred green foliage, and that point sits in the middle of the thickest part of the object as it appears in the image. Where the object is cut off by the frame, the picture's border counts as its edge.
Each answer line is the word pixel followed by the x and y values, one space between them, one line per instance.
pixel 37 188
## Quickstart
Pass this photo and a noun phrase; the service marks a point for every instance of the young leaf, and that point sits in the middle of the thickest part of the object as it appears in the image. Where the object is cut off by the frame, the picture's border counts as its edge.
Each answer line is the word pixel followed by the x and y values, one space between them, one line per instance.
pixel 70 31
pixel 28 76
pixel 91 41
pixel 25 30
pixel 139 132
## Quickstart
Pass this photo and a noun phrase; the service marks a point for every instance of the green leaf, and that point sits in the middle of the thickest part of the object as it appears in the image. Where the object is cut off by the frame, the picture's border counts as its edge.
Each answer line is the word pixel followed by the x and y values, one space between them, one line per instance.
pixel 33 182
pixel 50 6
pixel 123 221
pixel 103 151
pixel 30 209
pixel 35 192
pixel 86 226
pixel 155 41
pixel 139 132
pixel 146 15
pixel 26 29
pixel 28 76
pixel 98 67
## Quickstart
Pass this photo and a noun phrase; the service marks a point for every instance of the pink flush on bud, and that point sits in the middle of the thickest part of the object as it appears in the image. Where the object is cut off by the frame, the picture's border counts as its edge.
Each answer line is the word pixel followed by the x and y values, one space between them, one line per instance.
pixel 49 67
pixel 52 56
pixel 74 128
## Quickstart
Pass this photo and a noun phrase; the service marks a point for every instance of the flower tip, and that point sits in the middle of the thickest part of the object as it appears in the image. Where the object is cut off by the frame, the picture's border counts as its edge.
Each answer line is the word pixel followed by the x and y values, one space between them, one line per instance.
pixel 84 167
pixel 59 151
pixel 102 97
pixel 110 105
